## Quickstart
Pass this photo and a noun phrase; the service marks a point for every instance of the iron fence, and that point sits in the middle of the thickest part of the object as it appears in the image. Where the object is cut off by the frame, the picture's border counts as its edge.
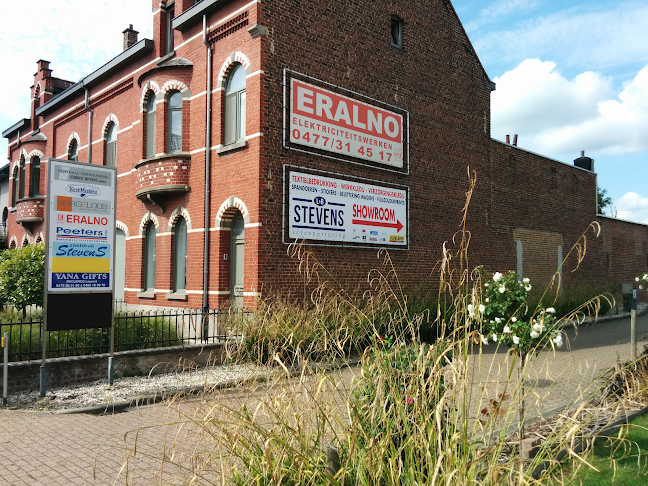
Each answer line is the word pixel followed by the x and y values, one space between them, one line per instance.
pixel 133 330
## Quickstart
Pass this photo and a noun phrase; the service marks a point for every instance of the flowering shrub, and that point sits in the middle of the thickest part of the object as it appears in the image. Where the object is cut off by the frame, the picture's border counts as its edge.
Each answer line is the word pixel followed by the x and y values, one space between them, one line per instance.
pixel 502 316
pixel 643 280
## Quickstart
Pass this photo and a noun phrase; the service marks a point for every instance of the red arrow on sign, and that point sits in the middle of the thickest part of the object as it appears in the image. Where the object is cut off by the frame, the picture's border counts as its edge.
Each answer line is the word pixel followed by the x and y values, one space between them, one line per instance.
pixel 396 225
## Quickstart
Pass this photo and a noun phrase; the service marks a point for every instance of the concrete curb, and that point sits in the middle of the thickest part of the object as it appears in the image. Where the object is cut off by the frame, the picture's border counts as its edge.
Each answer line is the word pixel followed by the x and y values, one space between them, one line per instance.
pixel 603 319
pixel 159 396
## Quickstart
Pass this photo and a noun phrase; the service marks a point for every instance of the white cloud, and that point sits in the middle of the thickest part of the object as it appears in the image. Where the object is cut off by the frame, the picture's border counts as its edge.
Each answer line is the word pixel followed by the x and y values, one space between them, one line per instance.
pixel 632 207
pixel 556 116
pixel 77 36
pixel 581 36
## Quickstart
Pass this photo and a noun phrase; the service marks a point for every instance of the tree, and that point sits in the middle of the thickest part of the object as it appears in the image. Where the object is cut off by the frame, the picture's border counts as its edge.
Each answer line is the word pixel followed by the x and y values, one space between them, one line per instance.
pixel 22 275
pixel 604 201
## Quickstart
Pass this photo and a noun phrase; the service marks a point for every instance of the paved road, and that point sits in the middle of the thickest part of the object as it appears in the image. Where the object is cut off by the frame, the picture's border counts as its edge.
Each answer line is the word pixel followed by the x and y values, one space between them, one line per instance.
pixel 39 448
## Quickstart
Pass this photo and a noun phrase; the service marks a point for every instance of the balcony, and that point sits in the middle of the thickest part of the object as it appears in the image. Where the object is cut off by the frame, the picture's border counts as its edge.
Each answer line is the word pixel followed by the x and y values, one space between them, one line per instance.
pixel 163 175
pixel 30 210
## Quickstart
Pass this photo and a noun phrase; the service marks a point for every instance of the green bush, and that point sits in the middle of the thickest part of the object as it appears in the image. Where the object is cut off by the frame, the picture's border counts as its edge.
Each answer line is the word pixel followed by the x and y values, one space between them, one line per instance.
pixel 22 275
pixel 132 331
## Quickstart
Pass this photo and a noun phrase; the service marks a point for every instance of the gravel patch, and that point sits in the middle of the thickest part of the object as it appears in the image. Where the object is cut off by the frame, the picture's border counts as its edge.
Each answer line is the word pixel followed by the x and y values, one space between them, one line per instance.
pixel 124 389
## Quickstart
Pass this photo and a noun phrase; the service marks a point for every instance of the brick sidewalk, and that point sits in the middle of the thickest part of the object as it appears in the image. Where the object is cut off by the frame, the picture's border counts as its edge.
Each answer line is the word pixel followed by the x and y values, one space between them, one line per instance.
pixel 41 448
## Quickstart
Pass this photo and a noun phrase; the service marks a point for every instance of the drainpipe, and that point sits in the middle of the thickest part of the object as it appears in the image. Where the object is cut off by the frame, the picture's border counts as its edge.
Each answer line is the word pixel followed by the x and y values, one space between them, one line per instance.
pixel 87 107
pixel 207 169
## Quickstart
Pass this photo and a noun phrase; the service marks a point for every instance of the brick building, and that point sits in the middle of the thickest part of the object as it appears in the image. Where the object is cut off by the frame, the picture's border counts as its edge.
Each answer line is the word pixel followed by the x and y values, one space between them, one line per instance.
pixel 243 125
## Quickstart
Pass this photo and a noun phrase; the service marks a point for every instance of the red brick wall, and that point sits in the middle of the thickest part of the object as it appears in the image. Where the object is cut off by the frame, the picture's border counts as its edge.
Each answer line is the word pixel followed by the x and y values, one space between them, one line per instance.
pixel 436 78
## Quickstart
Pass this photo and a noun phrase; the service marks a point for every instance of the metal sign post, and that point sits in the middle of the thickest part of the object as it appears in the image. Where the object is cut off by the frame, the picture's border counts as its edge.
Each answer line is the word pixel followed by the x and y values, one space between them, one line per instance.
pixel 633 326
pixel 5 375
pixel 80 229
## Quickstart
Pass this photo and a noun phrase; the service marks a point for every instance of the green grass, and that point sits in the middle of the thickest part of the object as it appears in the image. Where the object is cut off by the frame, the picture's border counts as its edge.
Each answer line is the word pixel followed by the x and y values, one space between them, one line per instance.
pixel 621 460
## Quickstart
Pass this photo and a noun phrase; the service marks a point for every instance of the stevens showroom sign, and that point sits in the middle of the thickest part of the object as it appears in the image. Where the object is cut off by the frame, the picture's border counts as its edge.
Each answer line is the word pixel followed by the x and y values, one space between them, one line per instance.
pixel 324 120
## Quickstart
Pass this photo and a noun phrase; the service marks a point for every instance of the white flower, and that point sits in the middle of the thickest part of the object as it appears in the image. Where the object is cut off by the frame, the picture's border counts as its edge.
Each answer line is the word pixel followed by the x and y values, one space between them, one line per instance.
pixel 470 309
pixel 498 320
pixel 483 339
pixel 487 300
pixel 537 327
pixel 526 280
pixel 636 279
pixel 482 307
pixel 486 284
pixel 513 320
pixel 507 330
pixel 502 289
pixel 550 310
pixel 558 341
pixel 535 334
pixel 527 287
pixel 494 337
pixel 497 277
pixel 516 340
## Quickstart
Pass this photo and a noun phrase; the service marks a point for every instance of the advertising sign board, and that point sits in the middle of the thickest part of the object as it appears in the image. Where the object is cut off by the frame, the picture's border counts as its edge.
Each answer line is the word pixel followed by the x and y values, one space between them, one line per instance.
pixel 328 121
pixel 344 211
pixel 80 227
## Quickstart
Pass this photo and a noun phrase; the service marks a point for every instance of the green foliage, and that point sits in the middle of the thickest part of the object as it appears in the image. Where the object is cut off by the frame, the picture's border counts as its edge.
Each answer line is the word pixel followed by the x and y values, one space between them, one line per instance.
pixel 398 392
pixel 332 328
pixel 132 331
pixel 643 280
pixel 604 201
pixel 504 317
pixel 22 275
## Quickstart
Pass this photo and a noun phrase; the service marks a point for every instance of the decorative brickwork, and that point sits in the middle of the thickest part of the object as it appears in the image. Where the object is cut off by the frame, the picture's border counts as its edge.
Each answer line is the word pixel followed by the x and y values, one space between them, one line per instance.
pixel 123 227
pixel 111 118
pixel 177 212
pixel 148 217
pixel 30 210
pixel 168 173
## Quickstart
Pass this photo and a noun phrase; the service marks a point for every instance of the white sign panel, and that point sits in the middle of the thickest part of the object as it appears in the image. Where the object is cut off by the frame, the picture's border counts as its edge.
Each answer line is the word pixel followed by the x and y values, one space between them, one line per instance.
pixel 81 226
pixel 328 121
pixel 327 209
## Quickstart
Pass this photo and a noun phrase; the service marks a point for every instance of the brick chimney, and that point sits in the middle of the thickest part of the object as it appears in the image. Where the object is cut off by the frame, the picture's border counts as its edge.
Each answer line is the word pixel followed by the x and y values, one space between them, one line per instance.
pixel 130 37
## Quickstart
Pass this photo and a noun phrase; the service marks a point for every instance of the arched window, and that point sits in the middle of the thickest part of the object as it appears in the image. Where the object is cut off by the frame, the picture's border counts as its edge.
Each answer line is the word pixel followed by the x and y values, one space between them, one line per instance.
pixel 35 176
pixel 73 150
pixel 5 216
pixel 235 106
pixel 111 146
pixel 16 185
pixel 21 177
pixel 150 124
pixel 174 122
pixel 180 255
pixel 237 260
pixel 149 256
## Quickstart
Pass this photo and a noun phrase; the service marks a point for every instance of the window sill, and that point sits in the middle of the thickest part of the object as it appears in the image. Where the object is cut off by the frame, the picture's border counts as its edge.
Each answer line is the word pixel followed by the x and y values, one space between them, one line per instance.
pixel 148 294
pixel 231 147
pixel 181 295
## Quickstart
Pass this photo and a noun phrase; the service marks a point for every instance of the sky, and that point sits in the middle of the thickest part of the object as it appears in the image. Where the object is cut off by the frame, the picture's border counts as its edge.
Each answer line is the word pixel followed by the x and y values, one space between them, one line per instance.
pixel 570 76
